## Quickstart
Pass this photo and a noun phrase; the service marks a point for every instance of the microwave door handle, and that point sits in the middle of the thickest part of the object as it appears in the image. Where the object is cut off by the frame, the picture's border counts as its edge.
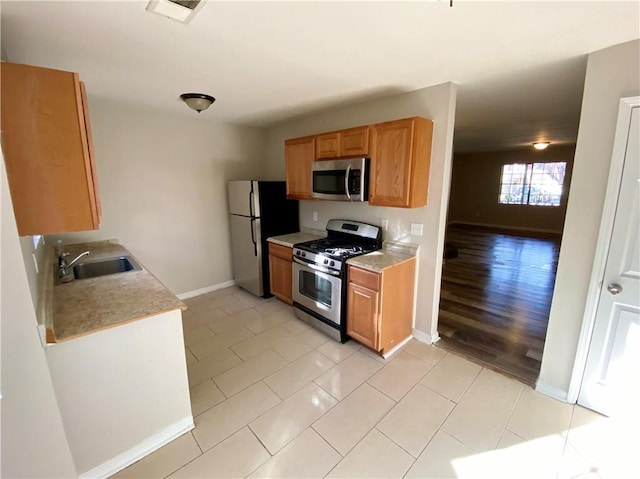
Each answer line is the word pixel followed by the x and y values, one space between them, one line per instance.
pixel 346 182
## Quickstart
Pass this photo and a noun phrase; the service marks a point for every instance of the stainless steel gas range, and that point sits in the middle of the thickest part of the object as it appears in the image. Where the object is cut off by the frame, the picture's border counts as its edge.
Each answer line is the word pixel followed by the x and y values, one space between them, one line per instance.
pixel 320 274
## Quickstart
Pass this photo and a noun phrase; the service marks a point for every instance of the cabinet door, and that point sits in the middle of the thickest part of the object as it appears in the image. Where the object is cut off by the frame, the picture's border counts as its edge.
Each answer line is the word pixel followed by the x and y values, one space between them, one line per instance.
pixel 391 158
pixel 90 165
pixel 354 142
pixel 362 315
pixel 46 145
pixel 299 154
pixel 280 278
pixel 328 145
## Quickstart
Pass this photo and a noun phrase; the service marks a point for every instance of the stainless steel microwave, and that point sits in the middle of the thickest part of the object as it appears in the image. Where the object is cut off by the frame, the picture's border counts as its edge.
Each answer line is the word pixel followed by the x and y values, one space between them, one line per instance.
pixel 340 180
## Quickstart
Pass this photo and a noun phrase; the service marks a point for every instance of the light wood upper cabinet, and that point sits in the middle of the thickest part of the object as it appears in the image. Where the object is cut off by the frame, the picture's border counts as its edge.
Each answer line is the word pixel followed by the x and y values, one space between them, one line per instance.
pixel 400 160
pixel 299 154
pixel 328 145
pixel 354 141
pixel 48 151
pixel 343 143
pixel 280 272
pixel 380 305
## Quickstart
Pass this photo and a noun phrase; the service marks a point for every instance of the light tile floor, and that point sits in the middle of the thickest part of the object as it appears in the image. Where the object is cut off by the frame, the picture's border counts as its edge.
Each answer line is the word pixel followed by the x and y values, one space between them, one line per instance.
pixel 272 397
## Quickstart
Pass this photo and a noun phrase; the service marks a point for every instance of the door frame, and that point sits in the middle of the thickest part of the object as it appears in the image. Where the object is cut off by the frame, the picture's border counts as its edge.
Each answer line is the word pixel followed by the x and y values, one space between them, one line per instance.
pixel 604 239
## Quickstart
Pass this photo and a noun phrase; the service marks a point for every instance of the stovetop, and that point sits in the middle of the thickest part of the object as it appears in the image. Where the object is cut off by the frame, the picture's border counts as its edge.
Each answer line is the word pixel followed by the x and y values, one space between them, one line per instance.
pixel 345 239
pixel 336 248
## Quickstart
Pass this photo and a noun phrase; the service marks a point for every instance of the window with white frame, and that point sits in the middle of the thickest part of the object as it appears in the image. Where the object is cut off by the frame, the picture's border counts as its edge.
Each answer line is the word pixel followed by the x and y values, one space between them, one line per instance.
pixel 537 184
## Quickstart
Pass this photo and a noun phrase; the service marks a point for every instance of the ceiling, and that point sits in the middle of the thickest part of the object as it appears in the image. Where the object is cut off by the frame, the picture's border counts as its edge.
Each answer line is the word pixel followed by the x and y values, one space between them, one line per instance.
pixel 519 65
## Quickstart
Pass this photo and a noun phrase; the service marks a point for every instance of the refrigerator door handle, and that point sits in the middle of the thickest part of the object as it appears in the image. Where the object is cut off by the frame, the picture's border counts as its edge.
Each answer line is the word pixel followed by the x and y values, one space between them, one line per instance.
pixel 251 203
pixel 253 237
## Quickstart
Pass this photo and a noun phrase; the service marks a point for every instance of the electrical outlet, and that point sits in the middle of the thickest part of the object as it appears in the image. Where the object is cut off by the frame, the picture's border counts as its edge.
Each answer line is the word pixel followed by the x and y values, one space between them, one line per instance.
pixel 416 229
pixel 384 223
pixel 315 216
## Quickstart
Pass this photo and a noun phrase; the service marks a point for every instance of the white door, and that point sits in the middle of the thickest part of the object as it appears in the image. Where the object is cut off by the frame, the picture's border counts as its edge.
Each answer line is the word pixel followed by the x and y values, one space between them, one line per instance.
pixel 611 380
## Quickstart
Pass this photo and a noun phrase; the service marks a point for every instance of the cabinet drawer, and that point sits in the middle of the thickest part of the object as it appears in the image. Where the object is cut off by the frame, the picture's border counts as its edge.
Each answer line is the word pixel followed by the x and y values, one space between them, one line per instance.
pixel 280 251
pixel 365 278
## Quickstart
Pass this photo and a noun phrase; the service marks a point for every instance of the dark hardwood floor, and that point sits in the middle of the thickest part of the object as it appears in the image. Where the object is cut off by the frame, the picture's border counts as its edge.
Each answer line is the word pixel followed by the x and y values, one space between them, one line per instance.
pixel 496 296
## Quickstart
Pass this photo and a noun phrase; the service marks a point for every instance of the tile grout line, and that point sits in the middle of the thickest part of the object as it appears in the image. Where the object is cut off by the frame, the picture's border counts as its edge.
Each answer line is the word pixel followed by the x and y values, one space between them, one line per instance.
pixel 437 430
pixel 566 443
pixel 192 460
pixel 252 384
pixel 394 442
pixel 506 424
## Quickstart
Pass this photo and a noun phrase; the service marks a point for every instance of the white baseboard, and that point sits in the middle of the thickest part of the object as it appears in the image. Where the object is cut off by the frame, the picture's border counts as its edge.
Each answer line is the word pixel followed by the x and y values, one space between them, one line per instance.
pixel 208 289
pixel 146 447
pixel 506 227
pixel 392 351
pixel 551 391
pixel 425 337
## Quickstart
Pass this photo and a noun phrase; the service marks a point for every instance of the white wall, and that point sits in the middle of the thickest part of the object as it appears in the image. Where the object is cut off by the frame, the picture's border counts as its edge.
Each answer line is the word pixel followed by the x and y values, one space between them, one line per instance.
pixel 436 103
pixel 162 181
pixel 33 439
pixel 612 73
pixel 121 389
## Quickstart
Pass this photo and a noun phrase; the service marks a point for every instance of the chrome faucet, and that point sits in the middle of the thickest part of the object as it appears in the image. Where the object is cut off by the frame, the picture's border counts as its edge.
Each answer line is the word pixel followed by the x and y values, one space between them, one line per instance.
pixel 64 266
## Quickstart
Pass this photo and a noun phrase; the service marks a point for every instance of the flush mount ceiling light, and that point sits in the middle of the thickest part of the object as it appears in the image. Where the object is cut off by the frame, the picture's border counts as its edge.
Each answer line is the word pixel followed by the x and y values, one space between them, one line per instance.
pixel 197 101
pixel 180 10
pixel 541 145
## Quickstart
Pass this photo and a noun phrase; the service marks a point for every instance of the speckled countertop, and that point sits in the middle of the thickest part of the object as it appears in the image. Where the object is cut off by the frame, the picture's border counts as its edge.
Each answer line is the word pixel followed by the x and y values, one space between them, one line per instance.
pixel 89 305
pixel 294 238
pixel 392 253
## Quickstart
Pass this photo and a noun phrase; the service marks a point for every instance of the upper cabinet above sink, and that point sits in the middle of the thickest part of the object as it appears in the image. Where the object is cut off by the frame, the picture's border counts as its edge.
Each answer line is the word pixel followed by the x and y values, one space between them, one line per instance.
pixel 48 151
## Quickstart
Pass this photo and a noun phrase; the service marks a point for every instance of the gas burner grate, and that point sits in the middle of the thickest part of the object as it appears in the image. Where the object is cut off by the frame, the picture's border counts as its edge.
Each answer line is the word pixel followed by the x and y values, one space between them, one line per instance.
pixel 339 251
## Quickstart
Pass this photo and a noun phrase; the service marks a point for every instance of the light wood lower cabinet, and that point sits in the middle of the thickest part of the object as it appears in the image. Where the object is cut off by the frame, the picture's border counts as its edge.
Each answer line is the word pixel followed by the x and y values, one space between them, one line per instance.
pixel 280 272
pixel 380 305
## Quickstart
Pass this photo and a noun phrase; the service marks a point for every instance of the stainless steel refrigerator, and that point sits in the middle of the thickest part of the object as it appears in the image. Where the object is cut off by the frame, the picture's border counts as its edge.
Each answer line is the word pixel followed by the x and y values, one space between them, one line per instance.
pixel 258 210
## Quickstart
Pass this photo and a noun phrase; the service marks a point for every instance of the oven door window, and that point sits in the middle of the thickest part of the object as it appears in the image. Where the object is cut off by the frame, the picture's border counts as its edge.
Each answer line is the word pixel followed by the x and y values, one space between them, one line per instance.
pixel 330 182
pixel 316 288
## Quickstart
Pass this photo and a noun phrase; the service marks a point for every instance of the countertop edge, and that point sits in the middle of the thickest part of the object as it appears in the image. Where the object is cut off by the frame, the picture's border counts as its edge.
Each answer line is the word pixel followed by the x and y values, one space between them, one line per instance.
pixel 389 260
pixel 291 239
pixel 113 325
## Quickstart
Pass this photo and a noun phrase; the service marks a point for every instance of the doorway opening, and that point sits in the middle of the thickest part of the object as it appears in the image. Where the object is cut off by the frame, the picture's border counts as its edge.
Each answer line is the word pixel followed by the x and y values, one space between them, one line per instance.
pixel 501 254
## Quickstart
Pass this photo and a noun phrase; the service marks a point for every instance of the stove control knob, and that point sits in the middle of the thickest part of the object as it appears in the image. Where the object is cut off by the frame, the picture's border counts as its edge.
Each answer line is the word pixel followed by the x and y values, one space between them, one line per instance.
pixel 332 263
pixel 304 254
pixel 326 261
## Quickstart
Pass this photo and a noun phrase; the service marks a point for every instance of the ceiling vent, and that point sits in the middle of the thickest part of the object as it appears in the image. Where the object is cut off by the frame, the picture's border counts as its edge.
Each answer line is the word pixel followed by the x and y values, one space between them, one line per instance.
pixel 181 10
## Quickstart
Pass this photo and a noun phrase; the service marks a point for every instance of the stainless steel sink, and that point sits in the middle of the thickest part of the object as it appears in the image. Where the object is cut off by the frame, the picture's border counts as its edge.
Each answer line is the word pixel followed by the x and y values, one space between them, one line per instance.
pixel 94 269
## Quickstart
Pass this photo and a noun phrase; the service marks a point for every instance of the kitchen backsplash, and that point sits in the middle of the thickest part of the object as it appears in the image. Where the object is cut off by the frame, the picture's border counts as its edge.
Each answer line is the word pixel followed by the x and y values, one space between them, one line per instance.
pixel 399 220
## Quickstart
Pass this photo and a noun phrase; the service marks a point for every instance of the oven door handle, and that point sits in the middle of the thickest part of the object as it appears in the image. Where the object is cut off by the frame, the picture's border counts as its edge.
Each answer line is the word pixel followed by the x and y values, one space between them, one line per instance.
pixel 346 183
pixel 316 268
